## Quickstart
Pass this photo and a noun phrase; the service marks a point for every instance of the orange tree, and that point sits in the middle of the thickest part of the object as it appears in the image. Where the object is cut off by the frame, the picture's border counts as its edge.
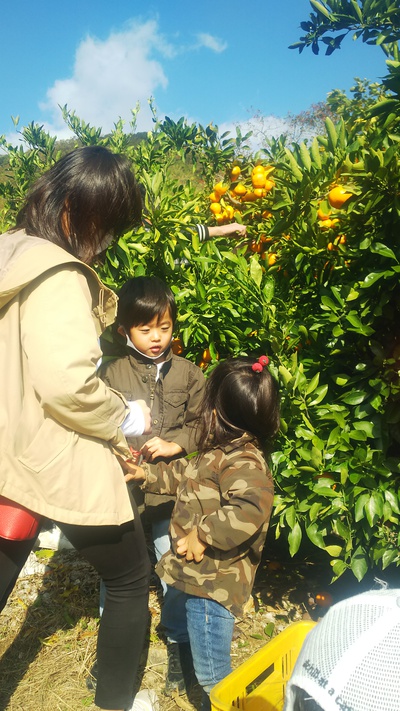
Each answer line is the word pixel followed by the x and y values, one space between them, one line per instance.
pixel 315 286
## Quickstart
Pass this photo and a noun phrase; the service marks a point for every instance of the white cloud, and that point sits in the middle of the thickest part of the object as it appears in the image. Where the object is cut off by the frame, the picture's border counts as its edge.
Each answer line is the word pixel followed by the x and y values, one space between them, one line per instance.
pixel 110 76
pixel 211 42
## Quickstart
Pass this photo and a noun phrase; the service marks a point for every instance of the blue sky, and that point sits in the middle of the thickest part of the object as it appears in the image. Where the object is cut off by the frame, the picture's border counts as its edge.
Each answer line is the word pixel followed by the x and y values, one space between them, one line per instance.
pixel 208 61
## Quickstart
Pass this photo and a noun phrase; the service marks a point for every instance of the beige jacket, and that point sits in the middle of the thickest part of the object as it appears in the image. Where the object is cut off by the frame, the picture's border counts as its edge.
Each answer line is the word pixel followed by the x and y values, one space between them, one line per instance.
pixel 59 423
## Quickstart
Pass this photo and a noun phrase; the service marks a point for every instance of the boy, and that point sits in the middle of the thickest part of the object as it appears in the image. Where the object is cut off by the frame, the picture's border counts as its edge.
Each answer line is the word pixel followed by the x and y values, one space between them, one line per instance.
pixel 173 388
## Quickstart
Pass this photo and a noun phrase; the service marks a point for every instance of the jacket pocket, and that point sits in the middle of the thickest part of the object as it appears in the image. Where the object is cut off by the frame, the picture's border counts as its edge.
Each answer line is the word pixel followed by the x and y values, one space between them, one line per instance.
pixel 49 442
pixel 175 407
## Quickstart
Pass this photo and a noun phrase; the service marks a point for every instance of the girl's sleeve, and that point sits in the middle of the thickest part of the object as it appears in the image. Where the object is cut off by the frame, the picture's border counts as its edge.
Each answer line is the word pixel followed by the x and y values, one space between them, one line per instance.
pixel 247 488
pixel 60 342
pixel 163 478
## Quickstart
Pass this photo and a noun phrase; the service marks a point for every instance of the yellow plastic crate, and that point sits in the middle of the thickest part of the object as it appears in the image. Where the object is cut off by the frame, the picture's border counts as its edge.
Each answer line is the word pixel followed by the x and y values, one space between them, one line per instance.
pixel 259 683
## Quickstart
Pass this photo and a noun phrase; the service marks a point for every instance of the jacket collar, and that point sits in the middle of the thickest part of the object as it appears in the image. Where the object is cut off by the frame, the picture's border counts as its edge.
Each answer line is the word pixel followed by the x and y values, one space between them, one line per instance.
pixel 240 442
pixel 142 360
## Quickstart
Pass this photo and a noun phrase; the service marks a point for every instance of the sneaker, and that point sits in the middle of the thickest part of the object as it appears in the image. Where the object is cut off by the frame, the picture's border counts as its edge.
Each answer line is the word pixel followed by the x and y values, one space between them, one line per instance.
pixel 180 676
pixel 145 700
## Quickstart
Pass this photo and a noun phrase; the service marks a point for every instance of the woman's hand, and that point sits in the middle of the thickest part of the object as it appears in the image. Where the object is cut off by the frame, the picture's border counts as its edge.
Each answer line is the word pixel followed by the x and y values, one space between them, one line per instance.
pixel 191 546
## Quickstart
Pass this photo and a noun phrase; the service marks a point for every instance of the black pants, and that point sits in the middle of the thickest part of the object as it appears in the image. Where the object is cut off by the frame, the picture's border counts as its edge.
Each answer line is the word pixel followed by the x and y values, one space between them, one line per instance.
pixel 119 554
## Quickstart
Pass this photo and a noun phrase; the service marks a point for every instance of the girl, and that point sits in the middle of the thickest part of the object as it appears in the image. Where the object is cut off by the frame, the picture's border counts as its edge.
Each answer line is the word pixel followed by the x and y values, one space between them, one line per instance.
pixel 223 507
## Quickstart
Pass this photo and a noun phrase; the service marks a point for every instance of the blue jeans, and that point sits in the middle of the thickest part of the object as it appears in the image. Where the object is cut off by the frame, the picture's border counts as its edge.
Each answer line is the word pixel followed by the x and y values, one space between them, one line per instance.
pixel 173 612
pixel 210 627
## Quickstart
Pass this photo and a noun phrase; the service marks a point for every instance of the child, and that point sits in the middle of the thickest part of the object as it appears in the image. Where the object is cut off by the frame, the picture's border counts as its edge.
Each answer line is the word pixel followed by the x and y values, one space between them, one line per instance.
pixel 173 388
pixel 223 507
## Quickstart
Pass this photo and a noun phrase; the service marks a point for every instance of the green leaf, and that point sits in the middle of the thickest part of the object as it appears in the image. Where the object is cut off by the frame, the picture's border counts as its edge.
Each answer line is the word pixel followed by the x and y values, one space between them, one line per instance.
pixel 342 530
pixel 354 397
pixel 356 322
pixel 314 510
pixel 357 435
pixel 269 629
pixel 290 516
pixel 268 290
pixel 341 379
pixel 357 11
pixel 315 535
pixel 315 153
pixel 360 505
pixel 255 271
pixel 338 567
pixel 333 551
pixel 374 508
pixel 359 564
pixel 365 426
pixel 294 539
pixel 326 301
pixel 312 384
pixel 383 250
pixel 285 374
pixel 297 173
pixel 331 131
pixel 320 395
pixel 321 9
pixel 389 557
pixel 393 500
pixel 305 156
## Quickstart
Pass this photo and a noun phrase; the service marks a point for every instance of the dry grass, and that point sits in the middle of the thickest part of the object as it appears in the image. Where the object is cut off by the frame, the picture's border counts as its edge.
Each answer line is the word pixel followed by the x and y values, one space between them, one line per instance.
pixel 48 634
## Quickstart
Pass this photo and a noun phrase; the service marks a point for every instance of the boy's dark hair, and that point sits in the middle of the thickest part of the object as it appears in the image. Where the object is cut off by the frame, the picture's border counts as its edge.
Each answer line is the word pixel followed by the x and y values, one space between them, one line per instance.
pixel 141 299
pixel 238 400
pixel 91 190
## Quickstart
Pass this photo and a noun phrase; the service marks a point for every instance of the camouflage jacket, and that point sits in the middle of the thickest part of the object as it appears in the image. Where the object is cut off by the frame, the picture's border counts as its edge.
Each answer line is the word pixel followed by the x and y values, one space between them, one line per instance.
pixel 228 494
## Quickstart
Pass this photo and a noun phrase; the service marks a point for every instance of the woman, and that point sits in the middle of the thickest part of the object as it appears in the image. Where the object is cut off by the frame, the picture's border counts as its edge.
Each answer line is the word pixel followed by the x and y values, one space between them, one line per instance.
pixel 61 429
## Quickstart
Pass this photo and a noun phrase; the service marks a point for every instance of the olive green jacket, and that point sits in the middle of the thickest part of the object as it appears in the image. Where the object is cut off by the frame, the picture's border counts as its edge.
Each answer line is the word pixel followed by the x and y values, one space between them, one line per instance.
pixel 175 401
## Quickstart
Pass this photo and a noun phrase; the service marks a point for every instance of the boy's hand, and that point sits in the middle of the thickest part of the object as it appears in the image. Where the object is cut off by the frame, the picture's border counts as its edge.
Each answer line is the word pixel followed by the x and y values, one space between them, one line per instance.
pixel 191 546
pixel 157 447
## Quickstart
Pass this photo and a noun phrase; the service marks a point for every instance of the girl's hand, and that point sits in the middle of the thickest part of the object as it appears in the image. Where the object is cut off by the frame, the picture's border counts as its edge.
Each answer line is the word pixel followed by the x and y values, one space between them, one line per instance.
pixel 132 471
pixel 191 546
pixel 157 447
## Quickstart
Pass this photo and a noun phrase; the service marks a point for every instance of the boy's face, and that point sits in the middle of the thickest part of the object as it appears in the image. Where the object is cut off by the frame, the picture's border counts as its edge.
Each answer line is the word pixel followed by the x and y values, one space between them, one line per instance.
pixel 153 338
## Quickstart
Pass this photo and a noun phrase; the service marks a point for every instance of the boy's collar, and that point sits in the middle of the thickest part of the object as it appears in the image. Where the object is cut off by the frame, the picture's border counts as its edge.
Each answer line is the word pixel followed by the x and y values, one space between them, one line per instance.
pixel 150 358
pixel 141 358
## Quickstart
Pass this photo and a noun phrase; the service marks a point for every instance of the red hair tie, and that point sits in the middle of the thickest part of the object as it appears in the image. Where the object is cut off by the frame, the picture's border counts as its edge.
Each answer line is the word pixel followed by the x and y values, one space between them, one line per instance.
pixel 260 363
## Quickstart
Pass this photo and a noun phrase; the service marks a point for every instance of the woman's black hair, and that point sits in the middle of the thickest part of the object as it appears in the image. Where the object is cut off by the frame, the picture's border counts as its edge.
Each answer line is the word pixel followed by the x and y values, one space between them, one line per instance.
pixel 237 399
pixel 86 195
pixel 143 298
